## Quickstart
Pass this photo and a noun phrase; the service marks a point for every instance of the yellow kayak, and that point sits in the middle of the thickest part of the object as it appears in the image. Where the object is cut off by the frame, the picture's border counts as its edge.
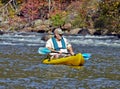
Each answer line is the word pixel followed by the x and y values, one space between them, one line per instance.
pixel 76 60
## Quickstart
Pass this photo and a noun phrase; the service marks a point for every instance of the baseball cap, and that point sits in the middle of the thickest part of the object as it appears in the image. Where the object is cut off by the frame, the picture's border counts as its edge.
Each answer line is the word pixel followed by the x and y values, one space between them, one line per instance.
pixel 58 31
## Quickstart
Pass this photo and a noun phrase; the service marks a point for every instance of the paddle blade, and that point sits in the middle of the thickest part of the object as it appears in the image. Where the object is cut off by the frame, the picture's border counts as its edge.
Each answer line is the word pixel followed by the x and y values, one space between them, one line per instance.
pixel 86 56
pixel 43 51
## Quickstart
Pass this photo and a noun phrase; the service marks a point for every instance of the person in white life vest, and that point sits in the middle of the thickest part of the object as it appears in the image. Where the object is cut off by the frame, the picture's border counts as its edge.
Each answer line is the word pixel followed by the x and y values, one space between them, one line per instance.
pixel 59 44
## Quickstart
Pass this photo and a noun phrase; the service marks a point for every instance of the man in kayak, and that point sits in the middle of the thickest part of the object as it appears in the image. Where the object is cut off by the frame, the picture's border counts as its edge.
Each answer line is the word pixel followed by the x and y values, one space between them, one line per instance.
pixel 59 45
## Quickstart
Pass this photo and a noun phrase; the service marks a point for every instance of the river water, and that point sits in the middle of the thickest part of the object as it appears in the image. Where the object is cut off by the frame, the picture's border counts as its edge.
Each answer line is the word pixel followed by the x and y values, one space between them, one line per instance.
pixel 21 66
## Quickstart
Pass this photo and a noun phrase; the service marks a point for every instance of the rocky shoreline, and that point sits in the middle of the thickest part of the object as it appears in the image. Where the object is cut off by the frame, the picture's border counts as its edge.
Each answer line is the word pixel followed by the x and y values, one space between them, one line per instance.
pixel 40 26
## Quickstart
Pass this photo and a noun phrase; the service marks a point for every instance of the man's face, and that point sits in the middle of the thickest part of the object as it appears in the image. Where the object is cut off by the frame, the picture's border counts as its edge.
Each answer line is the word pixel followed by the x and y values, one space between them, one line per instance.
pixel 58 36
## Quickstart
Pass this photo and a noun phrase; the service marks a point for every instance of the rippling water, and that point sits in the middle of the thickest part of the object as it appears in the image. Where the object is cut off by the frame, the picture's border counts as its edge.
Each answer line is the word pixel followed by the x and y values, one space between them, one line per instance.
pixel 21 66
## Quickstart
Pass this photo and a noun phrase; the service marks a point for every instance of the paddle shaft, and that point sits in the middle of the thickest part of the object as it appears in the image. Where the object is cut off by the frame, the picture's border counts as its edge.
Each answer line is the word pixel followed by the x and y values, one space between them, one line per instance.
pixel 59 52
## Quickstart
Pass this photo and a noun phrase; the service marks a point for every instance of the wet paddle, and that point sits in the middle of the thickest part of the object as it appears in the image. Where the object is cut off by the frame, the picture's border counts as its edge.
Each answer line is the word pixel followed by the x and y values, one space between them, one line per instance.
pixel 46 51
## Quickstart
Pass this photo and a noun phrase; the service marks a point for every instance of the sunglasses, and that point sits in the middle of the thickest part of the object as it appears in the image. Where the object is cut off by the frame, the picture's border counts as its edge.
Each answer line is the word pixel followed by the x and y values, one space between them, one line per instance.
pixel 60 34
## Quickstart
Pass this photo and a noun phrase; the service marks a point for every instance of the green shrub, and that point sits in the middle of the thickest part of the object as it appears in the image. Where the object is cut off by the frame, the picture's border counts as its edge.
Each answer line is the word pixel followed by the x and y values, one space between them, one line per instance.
pixel 57 20
pixel 109 16
pixel 101 22
pixel 79 21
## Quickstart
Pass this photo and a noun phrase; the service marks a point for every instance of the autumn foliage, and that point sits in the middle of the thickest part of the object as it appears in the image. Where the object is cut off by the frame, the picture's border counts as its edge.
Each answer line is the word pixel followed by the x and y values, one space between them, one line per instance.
pixel 30 9
pixel 34 9
pixel 98 14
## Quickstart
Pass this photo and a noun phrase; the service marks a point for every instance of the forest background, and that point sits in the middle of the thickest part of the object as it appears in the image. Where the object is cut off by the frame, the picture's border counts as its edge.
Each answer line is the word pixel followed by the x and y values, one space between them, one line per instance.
pixel 101 17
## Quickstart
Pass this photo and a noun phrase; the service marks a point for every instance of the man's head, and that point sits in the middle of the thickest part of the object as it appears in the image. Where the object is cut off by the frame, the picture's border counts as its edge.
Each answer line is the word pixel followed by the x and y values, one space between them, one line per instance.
pixel 58 33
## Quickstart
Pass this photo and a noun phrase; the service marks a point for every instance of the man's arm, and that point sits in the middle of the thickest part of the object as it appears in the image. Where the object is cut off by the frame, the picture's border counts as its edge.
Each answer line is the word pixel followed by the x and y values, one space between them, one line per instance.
pixel 70 49
pixel 49 45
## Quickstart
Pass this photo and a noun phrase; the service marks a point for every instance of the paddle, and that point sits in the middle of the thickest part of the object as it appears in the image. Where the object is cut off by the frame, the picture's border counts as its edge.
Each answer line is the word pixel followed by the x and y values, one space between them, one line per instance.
pixel 46 51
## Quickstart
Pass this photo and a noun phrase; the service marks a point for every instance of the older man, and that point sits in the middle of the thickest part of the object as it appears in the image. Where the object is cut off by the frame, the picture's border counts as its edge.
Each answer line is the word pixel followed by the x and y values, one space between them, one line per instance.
pixel 59 45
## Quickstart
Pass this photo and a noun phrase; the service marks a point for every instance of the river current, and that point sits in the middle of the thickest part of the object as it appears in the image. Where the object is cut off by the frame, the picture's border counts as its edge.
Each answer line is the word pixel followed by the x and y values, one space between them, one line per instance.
pixel 21 66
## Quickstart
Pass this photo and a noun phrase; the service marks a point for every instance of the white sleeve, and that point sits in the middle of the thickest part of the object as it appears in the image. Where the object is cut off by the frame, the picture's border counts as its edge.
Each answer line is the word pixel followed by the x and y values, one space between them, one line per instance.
pixel 67 42
pixel 49 44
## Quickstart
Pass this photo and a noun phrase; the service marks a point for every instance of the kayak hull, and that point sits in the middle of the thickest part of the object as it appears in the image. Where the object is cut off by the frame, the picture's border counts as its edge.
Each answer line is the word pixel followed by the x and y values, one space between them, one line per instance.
pixel 76 60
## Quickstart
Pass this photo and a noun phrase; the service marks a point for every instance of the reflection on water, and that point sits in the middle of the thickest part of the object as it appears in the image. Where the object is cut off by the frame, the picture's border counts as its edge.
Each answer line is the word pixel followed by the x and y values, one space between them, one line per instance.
pixel 21 68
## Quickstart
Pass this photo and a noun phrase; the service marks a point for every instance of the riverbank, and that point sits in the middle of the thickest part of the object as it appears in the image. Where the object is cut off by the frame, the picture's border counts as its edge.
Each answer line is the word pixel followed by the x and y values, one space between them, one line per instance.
pixel 69 15
pixel 40 26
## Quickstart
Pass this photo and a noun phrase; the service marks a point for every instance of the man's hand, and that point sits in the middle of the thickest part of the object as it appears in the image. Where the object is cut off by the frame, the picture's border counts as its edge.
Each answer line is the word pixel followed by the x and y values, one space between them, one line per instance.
pixel 72 53
pixel 60 52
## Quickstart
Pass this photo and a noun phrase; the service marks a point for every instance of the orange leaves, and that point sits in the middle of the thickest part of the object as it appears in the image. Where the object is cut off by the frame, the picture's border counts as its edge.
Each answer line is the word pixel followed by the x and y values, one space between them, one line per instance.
pixel 30 10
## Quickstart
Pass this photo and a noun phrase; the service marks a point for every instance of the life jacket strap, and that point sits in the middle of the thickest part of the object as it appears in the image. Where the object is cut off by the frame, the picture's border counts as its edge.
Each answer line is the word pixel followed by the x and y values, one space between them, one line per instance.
pixel 56 44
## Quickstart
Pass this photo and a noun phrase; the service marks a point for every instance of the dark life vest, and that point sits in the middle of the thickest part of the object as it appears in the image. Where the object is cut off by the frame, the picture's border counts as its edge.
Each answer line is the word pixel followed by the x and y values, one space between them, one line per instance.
pixel 56 45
